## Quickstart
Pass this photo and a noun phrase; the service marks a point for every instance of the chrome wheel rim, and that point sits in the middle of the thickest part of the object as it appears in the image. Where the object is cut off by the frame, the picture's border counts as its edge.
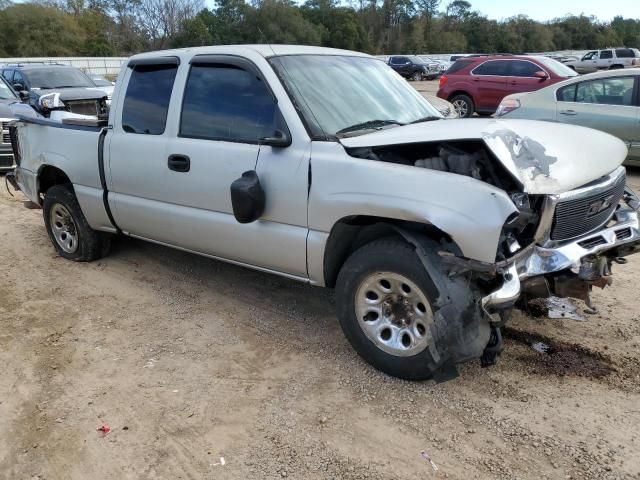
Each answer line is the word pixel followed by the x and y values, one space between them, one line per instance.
pixel 394 313
pixel 461 107
pixel 63 228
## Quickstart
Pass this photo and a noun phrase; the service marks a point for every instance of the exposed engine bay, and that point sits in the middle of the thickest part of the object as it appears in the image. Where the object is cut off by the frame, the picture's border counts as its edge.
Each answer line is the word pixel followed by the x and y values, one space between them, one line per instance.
pixel 470 158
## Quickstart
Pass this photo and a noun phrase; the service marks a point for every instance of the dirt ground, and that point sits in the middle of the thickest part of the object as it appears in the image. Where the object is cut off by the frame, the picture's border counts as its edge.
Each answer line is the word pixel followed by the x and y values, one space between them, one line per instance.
pixel 190 361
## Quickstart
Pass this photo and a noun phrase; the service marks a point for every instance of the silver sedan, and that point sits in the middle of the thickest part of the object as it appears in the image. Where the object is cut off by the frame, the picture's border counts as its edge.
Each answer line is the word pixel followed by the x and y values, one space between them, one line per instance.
pixel 607 101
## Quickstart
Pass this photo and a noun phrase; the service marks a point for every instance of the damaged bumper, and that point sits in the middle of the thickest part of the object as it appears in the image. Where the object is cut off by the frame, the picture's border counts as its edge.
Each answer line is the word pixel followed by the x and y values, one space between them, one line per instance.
pixel 569 268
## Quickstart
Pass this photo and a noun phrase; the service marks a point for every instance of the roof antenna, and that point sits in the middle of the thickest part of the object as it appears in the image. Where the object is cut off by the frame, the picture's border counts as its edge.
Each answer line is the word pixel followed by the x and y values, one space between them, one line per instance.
pixel 264 39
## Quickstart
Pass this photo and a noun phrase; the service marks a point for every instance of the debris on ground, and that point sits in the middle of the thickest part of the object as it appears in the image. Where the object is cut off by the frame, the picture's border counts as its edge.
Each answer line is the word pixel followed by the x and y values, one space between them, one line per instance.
pixel 540 347
pixel 104 429
pixel 426 456
pixel 562 308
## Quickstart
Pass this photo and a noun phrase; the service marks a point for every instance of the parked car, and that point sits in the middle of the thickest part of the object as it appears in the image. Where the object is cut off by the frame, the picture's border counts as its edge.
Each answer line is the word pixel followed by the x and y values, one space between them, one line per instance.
pixel 7 97
pixel 445 108
pixel 35 80
pixel 324 166
pixel 103 85
pixel 413 68
pixel 442 65
pixel 607 101
pixel 478 84
pixel 607 59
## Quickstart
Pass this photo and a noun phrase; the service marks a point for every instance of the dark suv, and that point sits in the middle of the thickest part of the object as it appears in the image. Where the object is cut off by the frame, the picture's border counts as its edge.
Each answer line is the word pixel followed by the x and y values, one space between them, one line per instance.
pixel 413 68
pixel 478 84
pixel 77 91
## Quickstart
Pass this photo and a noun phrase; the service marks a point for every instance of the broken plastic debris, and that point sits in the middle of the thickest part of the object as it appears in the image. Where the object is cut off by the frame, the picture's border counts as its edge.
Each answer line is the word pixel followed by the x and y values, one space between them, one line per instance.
pixel 426 456
pixel 104 429
pixel 540 347
pixel 563 308
pixel 221 462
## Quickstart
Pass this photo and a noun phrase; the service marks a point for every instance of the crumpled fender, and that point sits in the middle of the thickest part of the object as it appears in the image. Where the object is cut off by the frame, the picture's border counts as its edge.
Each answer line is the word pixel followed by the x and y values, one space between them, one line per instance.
pixel 472 212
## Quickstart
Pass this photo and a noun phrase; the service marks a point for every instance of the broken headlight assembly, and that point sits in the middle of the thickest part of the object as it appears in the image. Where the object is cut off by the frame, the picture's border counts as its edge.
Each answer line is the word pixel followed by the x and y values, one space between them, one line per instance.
pixel 519 230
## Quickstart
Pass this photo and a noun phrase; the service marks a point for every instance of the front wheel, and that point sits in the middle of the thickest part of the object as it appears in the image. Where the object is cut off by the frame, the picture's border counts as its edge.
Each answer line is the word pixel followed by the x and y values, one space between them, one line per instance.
pixel 68 228
pixel 384 299
pixel 463 104
pixel 416 76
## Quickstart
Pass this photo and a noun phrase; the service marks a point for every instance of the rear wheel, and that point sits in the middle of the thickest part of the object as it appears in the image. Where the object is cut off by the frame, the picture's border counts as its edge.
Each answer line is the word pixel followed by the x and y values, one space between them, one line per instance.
pixel 616 67
pixel 68 228
pixel 463 104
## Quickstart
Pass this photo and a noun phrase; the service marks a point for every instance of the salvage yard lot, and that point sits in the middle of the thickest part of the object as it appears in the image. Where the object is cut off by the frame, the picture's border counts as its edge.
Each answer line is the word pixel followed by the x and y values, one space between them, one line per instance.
pixel 189 360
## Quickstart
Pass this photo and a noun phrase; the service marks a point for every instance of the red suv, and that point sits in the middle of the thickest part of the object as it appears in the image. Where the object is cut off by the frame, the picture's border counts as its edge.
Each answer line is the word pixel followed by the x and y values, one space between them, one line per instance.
pixel 478 84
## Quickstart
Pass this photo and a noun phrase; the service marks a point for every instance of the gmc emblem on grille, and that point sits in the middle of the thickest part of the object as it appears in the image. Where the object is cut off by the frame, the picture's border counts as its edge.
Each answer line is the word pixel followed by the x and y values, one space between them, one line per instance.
pixel 599 206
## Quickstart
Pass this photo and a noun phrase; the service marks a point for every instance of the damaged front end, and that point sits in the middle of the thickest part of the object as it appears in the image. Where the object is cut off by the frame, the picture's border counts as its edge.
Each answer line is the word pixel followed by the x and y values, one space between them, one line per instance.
pixel 566 230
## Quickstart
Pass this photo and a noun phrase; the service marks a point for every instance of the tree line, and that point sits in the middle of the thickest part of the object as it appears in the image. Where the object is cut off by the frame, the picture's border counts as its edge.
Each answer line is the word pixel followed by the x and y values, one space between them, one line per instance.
pixel 124 27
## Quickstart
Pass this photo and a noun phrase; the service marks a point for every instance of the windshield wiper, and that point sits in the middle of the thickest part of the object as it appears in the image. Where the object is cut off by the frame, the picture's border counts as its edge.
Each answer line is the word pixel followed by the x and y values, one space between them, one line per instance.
pixel 426 119
pixel 368 125
pixel 67 86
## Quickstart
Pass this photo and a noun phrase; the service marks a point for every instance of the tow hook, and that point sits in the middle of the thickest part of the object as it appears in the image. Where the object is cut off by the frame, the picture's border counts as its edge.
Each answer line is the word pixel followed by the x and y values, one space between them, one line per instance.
pixel 493 349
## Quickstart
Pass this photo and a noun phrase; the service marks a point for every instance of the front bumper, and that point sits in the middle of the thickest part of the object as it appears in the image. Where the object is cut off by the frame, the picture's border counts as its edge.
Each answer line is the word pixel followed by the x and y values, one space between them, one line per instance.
pixel 619 237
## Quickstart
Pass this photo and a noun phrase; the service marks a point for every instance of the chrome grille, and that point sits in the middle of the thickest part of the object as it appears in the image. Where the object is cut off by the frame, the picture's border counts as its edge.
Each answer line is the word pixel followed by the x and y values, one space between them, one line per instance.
pixel 578 216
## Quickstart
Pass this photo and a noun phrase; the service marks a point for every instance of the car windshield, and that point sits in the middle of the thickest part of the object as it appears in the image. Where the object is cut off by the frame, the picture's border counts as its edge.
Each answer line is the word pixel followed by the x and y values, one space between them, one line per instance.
pixel 58 77
pixel 425 59
pixel 5 91
pixel 556 67
pixel 335 93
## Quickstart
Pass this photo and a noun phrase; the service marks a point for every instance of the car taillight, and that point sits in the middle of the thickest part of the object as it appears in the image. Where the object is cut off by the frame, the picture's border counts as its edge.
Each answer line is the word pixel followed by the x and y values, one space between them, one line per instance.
pixel 507 105
pixel 443 80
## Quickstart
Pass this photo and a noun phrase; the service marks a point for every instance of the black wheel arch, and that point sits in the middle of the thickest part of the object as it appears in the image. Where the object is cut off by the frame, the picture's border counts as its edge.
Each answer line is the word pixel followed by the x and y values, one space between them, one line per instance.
pixel 351 233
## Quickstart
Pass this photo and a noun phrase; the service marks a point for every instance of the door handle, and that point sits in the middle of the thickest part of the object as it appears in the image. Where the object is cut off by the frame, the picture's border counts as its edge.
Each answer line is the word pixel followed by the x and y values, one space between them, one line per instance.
pixel 568 112
pixel 179 163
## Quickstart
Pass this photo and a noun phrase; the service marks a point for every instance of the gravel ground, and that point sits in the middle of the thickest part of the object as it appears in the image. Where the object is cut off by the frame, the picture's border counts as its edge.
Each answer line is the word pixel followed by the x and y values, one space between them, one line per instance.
pixel 190 361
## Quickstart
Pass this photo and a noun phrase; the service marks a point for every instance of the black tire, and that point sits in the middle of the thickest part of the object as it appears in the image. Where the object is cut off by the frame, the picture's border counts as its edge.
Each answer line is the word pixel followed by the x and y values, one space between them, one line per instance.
pixel 463 105
pixel 89 244
pixel 458 331
pixel 616 67
pixel 416 76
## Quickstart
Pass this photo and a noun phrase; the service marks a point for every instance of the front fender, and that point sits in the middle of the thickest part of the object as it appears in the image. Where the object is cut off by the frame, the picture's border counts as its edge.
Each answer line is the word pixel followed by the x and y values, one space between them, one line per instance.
pixel 470 211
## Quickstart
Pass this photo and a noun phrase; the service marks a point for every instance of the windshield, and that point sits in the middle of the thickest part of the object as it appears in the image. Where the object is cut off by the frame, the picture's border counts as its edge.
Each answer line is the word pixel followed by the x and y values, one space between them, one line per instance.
pixel 425 59
pixel 58 77
pixel 337 92
pixel 5 91
pixel 556 67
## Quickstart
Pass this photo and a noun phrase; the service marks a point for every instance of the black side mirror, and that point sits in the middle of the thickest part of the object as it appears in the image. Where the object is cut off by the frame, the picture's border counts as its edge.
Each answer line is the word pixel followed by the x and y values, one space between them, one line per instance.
pixel 18 87
pixel 278 139
pixel 247 197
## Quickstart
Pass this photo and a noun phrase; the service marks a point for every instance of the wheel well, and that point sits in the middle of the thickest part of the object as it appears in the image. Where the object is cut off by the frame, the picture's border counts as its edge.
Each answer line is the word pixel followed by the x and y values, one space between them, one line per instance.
pixel 461 92
pixel 49 176
pixel 351 233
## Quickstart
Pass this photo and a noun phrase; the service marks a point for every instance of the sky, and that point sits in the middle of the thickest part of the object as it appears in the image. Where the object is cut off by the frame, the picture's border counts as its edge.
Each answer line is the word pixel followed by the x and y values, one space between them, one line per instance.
pixel 549 9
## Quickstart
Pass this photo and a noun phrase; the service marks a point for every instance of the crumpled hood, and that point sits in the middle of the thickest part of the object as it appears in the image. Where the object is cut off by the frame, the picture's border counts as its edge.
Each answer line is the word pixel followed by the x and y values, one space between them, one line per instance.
pixel 546 157
pixel 88 93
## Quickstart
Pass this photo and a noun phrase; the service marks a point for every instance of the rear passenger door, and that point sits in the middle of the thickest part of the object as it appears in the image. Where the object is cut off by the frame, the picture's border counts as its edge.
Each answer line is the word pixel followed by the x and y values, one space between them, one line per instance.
pixel 137 147
pixel 490 84
pixel 609 104
pixel 522 79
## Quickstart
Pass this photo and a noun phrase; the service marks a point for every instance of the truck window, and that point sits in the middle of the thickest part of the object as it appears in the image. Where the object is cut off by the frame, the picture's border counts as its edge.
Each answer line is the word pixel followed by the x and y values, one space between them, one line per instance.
pixel 624 53
pixel 147 99
pixel 604 54
pixel 225 102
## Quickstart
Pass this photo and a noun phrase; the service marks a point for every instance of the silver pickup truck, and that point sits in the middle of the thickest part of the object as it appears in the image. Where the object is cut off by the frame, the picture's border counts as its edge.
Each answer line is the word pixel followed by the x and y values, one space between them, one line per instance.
pixel 327 167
